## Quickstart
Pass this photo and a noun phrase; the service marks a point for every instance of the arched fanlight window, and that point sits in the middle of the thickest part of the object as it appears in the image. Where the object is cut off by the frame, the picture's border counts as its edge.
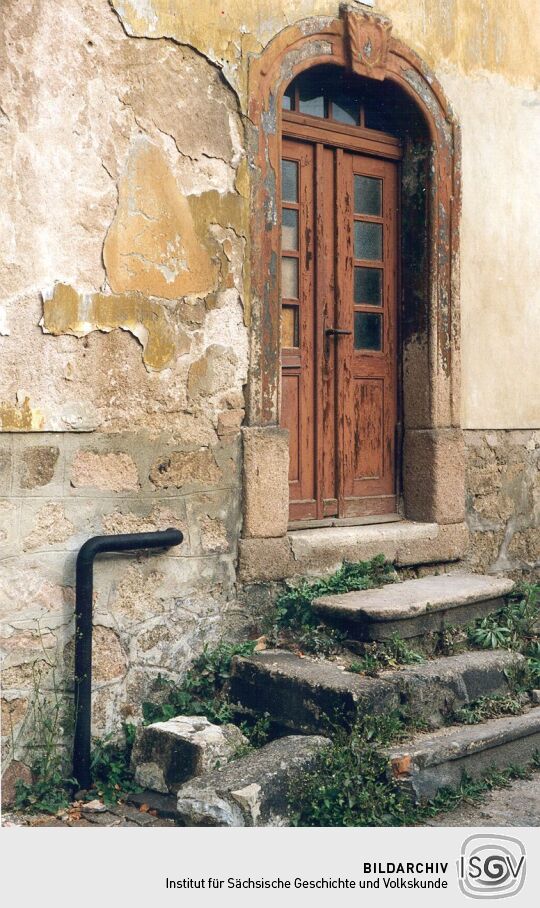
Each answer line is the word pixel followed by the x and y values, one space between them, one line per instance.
pixel 333 93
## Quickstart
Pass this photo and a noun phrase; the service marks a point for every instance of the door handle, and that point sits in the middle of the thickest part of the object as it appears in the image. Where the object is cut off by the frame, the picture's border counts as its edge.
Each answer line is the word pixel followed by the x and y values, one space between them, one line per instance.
pixel 336 332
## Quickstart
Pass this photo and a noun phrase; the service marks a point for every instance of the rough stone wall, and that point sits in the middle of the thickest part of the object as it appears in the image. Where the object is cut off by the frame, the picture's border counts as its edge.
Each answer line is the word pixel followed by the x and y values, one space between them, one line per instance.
pixel 503 501
pixel 124 350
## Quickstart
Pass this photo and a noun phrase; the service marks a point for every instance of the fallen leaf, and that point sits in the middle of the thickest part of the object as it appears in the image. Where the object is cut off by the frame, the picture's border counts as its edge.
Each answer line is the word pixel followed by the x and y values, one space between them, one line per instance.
pixel 95 805
pixel 144 808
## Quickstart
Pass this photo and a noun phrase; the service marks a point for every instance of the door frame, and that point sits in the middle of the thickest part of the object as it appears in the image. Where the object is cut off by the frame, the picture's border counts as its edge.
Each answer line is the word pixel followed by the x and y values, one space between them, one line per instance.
pixel 433 469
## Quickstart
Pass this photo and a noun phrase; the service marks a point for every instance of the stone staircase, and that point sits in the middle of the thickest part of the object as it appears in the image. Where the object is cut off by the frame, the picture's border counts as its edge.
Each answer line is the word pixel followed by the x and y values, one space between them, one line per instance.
pixel 302 693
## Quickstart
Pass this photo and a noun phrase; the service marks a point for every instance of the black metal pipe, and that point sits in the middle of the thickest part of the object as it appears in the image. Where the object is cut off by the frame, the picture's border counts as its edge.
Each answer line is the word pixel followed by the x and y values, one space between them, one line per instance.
pixel 84 589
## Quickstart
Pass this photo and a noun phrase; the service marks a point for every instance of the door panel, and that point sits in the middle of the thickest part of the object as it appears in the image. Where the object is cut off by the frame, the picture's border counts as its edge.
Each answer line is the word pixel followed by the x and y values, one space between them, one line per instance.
pixel 290 419
pixel 298 324
pixel 339 329
pixel 368 421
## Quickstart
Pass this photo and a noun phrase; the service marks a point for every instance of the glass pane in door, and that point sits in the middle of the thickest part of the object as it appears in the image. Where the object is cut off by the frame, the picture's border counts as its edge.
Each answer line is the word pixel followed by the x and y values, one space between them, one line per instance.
pixel 367 331
pixel 367 195
pixel 368 286
pixel 367 241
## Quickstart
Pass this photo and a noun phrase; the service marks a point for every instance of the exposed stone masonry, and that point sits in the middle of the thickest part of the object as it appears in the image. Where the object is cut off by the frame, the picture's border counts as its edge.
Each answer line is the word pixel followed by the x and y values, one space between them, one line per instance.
pixel 503 500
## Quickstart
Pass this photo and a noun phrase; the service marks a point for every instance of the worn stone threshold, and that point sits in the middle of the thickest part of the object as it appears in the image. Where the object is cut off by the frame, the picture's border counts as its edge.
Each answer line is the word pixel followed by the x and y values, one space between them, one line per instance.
pixel 404 541
pixel 320 551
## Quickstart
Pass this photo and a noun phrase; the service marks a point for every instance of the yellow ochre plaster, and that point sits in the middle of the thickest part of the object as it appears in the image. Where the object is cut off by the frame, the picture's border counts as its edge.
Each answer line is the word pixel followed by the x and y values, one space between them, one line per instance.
pixel 20 417
pixel 152 246
pixel 68 312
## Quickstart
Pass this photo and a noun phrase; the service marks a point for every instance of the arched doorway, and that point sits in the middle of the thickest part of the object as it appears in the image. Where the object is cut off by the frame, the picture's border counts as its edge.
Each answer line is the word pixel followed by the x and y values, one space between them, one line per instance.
pixel 340 283
pixel 393 441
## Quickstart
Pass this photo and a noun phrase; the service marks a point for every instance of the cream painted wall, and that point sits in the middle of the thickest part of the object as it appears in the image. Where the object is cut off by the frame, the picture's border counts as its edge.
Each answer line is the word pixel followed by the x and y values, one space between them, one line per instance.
pixel 500 251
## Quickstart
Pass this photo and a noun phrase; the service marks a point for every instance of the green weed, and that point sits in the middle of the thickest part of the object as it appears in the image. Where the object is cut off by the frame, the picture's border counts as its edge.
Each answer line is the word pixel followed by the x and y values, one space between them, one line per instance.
pixel 515 627
pixel 293 606
pixel 257 731
pixel 52 721
pixel 378 656
pixel 202 691
pixel 512 627
pixel 49 790
pixel 110 767
pixel 349 785
pixel 487 708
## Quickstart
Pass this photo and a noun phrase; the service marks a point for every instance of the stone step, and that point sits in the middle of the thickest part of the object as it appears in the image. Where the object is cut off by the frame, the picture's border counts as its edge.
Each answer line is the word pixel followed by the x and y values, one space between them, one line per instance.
pixel 429 762
pixel 301 693
pixel 413 608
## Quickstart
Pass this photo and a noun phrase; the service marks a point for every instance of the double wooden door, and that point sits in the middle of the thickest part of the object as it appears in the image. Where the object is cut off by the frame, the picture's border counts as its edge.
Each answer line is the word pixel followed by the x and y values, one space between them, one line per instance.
pixel 339 332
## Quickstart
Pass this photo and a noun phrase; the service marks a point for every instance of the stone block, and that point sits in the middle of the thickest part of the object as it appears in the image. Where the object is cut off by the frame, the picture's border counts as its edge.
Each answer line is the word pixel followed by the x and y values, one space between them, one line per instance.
pixel 9 527
pixel 191 468
pixel 114 471
pixel 262 560
pixel 435 689
pixel 434 475
pixel 37 466
pixel 304 694
pixel 166 754
pixel 140 515
pixel 416 607
pixel 266 482
pixel 229 422
pixel 213 518
pixel 50 527
pixel 6 457
pixel 444 542
pixel 109 661
pixel 251 791
pixel 13 713
pixel 321 551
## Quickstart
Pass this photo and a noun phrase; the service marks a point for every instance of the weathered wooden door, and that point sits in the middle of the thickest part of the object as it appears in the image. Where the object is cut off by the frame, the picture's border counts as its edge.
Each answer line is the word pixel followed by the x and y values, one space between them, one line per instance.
pixel 339 328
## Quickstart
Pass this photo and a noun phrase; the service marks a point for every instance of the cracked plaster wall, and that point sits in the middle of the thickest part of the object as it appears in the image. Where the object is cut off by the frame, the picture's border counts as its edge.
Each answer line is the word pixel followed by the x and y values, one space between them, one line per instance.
pixel 124 310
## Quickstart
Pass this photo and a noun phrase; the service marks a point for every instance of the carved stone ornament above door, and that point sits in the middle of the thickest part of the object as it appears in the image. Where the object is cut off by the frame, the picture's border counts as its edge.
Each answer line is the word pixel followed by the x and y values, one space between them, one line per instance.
pixel 367 36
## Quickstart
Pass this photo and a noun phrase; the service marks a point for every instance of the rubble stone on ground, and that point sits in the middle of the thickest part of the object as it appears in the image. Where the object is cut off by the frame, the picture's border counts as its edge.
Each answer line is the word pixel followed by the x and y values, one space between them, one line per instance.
pixel 253 790
pixel 166 754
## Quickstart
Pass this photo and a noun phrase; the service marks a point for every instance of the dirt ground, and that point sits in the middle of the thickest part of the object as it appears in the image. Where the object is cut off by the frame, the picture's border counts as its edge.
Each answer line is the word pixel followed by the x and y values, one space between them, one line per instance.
pixel 517 805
